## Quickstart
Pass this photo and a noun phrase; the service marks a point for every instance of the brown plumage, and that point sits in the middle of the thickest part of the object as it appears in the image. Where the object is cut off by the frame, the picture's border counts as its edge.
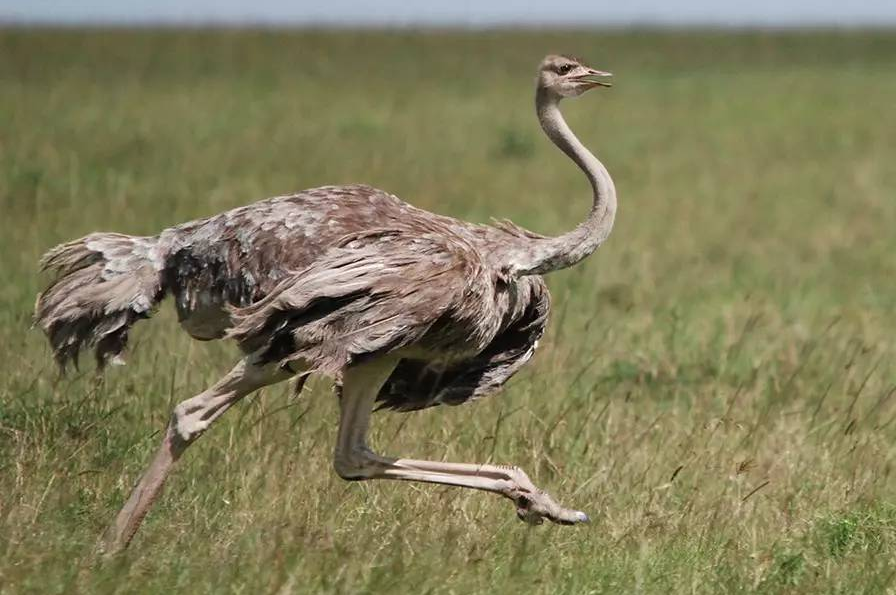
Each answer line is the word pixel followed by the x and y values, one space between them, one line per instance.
pixel 396 304
pixel 305 277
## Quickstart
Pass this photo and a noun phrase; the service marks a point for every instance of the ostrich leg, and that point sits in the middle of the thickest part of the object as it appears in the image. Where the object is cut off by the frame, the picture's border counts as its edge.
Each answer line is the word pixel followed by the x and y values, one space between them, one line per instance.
pixel 188 421
pixel 353 459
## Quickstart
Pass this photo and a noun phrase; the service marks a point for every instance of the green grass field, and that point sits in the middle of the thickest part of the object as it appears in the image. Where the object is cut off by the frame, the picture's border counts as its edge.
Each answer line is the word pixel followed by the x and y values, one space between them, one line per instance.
pixel 717 387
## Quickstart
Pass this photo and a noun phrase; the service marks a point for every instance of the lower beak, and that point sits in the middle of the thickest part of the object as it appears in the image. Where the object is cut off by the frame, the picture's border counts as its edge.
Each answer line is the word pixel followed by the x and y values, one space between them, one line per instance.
pixel 597 78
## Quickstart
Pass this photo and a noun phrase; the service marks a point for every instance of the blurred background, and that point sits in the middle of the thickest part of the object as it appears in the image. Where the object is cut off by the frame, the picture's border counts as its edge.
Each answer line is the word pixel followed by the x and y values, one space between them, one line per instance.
pixel 717 387
pixel 466 13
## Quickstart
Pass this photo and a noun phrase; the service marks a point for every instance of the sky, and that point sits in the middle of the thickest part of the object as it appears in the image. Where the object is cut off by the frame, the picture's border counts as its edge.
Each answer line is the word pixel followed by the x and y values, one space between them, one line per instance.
pixel 472 13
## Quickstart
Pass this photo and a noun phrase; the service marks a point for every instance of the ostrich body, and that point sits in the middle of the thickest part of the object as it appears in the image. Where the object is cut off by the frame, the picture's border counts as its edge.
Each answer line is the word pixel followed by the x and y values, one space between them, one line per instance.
pixel 399 306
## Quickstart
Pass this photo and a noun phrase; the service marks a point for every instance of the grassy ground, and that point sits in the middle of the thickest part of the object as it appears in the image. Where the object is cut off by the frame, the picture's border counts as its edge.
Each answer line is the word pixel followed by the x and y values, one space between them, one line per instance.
pixel 717 388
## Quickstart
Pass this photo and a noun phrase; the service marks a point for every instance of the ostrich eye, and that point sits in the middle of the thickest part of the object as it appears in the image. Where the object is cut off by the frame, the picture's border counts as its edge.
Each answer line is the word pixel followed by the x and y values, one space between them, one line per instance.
pixel 564 69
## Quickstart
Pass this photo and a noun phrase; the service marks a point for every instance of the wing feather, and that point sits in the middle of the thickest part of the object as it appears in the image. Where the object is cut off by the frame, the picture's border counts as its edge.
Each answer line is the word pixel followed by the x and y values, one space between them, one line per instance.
pixel 417 384
pixel 374 294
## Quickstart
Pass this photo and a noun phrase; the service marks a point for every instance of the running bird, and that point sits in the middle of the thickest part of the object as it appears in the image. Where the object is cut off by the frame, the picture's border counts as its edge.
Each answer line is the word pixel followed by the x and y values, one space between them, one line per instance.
pixel 399 306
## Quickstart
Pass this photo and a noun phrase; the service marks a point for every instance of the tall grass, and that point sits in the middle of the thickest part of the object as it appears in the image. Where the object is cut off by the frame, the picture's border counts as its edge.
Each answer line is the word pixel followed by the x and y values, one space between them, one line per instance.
pixel 717 388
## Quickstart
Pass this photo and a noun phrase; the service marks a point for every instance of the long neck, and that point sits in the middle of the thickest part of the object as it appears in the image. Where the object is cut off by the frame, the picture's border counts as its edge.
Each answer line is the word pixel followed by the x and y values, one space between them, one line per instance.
pixel 552 254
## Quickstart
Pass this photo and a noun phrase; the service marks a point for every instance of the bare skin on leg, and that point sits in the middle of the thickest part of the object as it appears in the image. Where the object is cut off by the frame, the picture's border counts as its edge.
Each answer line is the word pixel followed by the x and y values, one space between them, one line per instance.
pixel 190 419
pixel 354 460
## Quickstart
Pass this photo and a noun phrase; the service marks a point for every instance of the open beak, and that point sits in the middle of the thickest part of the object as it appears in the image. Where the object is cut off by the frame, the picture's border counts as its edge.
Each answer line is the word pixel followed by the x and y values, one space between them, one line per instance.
pixel 596 78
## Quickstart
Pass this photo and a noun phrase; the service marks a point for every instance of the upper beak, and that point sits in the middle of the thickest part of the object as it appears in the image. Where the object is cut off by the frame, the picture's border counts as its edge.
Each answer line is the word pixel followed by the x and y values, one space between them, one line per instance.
pixel 596 77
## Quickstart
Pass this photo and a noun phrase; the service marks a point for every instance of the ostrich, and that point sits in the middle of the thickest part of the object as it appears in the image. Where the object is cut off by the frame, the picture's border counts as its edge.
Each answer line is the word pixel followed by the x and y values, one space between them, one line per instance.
pixel 400 307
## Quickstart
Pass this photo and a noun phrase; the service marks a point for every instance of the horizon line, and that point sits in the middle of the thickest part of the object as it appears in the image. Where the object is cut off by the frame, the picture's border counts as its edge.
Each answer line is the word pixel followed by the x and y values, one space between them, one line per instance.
pixel 7 22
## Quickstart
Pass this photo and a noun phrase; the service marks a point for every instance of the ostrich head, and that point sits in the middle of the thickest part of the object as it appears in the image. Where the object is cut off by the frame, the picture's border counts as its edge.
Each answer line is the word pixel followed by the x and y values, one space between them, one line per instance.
pixel 563 76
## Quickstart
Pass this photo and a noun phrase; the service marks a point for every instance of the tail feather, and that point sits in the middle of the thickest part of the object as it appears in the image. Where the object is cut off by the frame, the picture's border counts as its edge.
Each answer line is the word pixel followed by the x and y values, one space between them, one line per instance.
pixel 104 283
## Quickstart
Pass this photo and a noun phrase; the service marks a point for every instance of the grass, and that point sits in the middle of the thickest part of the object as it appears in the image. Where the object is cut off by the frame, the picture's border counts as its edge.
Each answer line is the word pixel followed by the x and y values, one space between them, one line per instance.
pixel 717 387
